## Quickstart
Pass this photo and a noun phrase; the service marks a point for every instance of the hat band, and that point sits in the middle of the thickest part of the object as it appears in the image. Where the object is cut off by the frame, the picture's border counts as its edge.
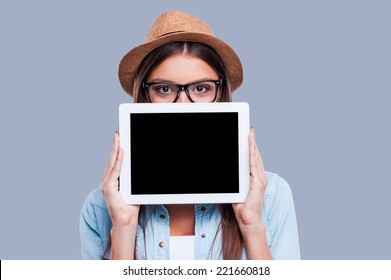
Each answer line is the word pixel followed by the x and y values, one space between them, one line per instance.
pixel 173 32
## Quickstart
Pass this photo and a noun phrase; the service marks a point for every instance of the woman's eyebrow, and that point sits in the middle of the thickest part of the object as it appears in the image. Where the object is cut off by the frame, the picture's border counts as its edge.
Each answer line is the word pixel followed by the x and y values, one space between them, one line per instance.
pixel 169 81
pixel 160 80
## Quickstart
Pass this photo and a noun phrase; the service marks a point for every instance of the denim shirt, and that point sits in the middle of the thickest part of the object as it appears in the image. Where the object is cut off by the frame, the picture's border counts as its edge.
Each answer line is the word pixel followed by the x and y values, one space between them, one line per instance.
pixel 278 214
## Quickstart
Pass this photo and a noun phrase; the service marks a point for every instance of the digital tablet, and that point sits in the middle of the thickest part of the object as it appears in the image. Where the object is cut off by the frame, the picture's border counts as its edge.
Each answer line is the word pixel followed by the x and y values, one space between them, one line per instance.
pixel 177 153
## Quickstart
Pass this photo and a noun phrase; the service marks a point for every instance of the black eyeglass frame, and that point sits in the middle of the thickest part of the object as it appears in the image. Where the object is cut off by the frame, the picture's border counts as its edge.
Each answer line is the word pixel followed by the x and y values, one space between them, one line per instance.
pixel 185 88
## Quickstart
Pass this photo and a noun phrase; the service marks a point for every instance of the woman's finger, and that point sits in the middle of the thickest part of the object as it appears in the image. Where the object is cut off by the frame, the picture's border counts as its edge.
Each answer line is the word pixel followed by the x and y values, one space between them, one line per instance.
pixel 261 168
pixel 113 155
pixel 117 167
pixel 254 163
pixel 258 157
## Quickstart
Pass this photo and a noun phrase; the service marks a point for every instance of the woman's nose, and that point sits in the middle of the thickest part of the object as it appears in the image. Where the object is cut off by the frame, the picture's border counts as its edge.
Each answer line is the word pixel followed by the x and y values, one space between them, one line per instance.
pixel 182 98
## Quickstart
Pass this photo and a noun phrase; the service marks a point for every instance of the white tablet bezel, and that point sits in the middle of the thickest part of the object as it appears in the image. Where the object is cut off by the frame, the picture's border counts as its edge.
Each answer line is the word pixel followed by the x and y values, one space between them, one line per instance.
pixel 241 108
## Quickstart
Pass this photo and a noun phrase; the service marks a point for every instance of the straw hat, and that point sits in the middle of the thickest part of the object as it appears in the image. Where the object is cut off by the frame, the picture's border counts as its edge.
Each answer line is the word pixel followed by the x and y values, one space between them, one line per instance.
pixel 179 26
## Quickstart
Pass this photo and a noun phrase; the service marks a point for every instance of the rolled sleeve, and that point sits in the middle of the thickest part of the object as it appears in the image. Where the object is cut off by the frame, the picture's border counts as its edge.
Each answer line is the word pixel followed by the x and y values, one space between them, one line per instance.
pixel 281 221
pixel 95 225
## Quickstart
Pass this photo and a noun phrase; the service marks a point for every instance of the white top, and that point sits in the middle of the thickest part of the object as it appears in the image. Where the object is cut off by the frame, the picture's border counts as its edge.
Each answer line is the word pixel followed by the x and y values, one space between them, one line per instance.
pixel 182 247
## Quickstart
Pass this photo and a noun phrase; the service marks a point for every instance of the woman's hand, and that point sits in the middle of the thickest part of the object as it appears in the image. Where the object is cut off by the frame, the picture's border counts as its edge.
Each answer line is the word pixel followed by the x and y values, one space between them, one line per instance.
pixel 123 216
pixel 248 214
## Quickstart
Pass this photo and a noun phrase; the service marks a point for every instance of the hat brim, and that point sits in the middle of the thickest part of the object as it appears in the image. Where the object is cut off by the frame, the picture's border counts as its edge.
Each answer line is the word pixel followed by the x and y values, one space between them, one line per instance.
pixel 131 61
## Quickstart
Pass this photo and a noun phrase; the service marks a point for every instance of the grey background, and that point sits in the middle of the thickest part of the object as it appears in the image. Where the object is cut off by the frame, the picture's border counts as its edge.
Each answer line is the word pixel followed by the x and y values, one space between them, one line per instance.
pixel 317 77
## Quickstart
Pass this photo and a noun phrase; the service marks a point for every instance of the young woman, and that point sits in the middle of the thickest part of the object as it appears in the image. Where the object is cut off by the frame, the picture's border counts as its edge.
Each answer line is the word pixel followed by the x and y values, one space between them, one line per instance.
pixel 182 61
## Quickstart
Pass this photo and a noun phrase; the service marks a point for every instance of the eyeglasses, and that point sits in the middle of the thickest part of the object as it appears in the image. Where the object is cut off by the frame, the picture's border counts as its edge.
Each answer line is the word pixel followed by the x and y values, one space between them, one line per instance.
pixel 200 91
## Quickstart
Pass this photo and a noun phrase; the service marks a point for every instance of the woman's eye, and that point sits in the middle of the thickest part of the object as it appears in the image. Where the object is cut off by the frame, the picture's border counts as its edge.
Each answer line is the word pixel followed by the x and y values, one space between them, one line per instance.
pixel 163 89
pixel 201 89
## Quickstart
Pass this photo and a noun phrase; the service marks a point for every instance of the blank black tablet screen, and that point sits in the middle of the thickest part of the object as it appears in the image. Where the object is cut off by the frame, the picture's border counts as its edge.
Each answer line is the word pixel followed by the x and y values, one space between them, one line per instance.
pixel 184 153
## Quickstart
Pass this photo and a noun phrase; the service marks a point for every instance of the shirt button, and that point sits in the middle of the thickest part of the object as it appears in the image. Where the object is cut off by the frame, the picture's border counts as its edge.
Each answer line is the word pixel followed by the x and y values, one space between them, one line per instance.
pixel 161 244
pixel 162 217
pixel 203 235
pixel 202 208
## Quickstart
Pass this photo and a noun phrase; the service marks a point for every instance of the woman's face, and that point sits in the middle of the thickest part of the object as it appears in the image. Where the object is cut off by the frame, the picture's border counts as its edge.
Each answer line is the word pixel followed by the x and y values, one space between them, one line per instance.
pixel 183 69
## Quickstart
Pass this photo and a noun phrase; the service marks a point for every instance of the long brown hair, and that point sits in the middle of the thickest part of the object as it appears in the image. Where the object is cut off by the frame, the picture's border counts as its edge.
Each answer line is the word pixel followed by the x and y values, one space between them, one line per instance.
pixel 232 240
